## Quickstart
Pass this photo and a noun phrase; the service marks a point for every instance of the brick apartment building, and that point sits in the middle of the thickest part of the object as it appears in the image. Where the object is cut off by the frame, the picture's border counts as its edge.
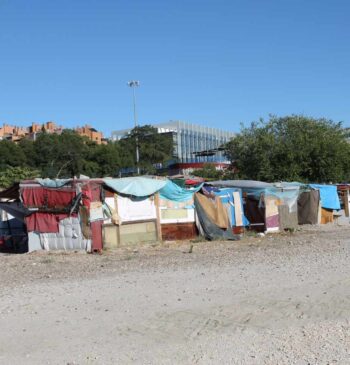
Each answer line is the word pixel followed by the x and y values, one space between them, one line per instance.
pixel 15 134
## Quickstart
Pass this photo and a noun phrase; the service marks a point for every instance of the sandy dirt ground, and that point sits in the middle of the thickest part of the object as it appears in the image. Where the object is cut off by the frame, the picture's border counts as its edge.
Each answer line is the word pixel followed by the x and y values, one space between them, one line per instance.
pixel 282 299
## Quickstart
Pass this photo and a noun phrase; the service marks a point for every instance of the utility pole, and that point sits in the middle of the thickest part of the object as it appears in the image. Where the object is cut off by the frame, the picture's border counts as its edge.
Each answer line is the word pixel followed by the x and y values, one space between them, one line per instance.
pixel 133 84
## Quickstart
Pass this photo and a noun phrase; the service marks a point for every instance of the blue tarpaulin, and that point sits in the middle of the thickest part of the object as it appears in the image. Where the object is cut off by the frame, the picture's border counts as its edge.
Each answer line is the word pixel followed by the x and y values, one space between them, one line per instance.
pixel 226 196
pixel 136 186
pixel 288 193
pixel 174 192
pixel 329 196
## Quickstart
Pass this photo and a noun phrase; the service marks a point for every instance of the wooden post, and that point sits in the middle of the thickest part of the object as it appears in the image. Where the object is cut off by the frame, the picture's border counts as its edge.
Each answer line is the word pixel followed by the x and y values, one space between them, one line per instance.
pixel 238 209
pixel 159 228
pixel 119 222
pixel 346 202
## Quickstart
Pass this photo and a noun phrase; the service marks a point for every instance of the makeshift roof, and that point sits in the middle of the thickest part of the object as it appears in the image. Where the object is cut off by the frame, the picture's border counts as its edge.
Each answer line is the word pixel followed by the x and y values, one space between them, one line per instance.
pixel 287 192
pixel 16 209
pixel 174 192
pixel 329 196
pixel 12 193
pixel 249 184
pixel 139 186
pixel 53 183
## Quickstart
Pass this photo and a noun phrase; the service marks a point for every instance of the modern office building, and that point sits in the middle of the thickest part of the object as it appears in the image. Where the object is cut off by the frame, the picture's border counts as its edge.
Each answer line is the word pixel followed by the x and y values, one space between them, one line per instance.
pixel 193 144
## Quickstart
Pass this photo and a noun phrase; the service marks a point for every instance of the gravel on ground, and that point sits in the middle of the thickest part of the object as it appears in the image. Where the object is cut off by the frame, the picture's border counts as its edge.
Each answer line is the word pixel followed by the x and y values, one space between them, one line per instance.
pixel 277 299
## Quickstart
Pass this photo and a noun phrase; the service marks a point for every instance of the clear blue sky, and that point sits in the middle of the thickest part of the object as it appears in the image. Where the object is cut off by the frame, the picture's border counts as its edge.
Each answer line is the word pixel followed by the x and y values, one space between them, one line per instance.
pixel 218 63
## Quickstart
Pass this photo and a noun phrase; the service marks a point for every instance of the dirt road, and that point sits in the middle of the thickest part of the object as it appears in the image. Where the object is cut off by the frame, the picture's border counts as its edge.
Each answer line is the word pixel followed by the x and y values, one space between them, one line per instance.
pixel 272 300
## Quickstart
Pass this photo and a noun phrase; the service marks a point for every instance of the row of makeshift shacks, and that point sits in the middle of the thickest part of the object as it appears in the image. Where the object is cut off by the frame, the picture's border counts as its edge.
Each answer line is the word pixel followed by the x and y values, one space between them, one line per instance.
pixel 97 214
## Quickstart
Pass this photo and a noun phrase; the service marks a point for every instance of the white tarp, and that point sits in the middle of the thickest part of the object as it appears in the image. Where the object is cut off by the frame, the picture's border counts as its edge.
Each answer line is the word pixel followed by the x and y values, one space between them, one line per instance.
pixel 136 209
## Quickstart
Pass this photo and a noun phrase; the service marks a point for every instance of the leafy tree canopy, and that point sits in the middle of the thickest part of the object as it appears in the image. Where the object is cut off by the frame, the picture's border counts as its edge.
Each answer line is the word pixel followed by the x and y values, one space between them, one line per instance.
pixel 154 148
pixel 11 175
pixel 292 148
pixel 208 172
pixel 11 155
pixel 60 155
pixel 68 154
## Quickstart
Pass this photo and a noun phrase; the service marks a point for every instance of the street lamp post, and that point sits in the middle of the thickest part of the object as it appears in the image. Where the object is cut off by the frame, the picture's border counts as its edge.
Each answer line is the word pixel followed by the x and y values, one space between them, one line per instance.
pixel 133 85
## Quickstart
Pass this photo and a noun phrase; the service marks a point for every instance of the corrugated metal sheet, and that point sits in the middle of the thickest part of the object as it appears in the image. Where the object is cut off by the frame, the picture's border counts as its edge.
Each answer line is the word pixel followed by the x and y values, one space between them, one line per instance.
pixel 69 237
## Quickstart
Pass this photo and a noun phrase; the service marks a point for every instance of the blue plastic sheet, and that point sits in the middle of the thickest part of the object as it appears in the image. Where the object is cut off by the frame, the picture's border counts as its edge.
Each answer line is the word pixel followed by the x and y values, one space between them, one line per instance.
pixel 174 192
pixel 136 186
pixel 288 193
pixel 226 196
pixel 53 183
pixel 329 196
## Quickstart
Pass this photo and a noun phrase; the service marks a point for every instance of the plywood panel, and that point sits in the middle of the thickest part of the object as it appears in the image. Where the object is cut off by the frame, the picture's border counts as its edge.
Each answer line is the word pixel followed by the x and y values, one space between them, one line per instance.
pixel 134 233
pixel 238 208
pixel 181 215
pixel 326 216
pixel 110 236
pixel 287 219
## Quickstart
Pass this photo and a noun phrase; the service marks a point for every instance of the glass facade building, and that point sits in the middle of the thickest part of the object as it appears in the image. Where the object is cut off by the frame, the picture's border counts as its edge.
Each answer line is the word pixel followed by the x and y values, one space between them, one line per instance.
pixel 192 143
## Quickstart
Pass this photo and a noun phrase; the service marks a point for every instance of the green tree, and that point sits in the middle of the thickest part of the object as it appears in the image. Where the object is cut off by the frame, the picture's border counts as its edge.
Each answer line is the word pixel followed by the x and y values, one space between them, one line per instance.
pixel 291 148
pixel 209 172
pixel 60 155
pixel 103 160
pixel 28 149
pixel 11 155
pixel 12 175
pixel 154 148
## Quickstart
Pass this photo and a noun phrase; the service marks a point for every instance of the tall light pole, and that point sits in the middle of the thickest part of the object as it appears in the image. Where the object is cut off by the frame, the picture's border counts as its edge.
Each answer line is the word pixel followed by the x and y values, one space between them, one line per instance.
pixel 133 84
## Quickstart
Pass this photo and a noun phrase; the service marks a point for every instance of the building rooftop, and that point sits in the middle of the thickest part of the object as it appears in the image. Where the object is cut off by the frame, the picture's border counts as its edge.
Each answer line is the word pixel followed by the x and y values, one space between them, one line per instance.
pixel 178 126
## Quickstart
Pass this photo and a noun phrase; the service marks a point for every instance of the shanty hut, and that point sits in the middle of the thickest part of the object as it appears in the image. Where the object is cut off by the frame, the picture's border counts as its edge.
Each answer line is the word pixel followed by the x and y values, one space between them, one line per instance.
pixel 329 202
pixel 64 214
pixel 177 212
pixel 232 200
pixel 134 211
pixel 13 231
pixel 268 207
pixel 344 198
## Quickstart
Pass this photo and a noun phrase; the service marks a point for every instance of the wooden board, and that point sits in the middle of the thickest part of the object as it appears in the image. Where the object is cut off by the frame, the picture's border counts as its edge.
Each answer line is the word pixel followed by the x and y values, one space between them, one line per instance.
pixel 326 216
pixel 345 198
pixel 238 208
pixel 287 219
pixel 136 233
pixel 159 229
pixel 129 234
pixel 179 231
pixel 110 235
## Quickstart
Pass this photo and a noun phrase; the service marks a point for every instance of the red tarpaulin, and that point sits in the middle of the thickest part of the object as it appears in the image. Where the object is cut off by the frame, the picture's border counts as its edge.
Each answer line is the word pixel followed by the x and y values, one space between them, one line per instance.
pixel 45 222
pixel 91 193
pixel 193 182
pixel 43 197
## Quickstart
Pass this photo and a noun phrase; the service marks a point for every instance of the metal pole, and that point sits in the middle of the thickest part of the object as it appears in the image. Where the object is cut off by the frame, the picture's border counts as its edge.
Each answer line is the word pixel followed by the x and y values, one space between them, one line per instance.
pixel 134 84
pixel 134 100
pixel 137 140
